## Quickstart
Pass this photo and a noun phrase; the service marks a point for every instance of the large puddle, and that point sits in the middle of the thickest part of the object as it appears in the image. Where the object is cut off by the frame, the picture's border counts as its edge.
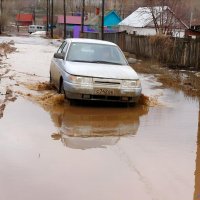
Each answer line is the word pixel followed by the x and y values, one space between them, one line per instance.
pixel 50 149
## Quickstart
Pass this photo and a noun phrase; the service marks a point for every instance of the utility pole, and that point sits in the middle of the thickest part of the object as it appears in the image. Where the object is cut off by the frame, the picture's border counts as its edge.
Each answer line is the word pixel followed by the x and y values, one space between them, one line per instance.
pixel 52 17
pixel 47 16
pixel 102 20
pixel 191 18
pixel 82 18
pixel 33 15
pixel 1 25
pixel 64 6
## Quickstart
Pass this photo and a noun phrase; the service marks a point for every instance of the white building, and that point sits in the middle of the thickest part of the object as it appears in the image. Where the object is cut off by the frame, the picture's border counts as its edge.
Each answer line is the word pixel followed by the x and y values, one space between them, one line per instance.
pixel 142 22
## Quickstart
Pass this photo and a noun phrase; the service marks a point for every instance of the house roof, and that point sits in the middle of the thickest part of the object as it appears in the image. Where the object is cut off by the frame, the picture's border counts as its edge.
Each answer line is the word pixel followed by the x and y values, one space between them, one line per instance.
pixel 92 20
pixel 69 19
pixel 24 17
pixel 112 18
pixel 107 19
pixel 142 16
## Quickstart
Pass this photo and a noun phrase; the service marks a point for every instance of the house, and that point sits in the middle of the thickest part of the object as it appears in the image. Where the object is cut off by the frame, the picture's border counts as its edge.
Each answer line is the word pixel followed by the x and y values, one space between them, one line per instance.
pixel 70 20
pixel 141 22
pixel 193 33
pixel 194 30
pixel 23 19
pixel 73 24
pixel 111 21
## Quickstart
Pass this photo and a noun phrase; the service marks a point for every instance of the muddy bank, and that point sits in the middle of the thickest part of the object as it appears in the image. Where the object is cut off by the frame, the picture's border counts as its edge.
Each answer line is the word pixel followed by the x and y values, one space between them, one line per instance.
pixel 187 81
pixel 6 94
pixel 7 48
pixel 9 97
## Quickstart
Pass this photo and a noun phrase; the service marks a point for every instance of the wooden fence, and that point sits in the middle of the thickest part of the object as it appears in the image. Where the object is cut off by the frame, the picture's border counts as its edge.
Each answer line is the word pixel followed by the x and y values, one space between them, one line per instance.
pixel 176 52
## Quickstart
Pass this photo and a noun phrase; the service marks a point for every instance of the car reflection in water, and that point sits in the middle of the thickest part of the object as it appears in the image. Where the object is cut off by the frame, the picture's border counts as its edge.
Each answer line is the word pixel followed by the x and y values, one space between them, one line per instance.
pixel 94 127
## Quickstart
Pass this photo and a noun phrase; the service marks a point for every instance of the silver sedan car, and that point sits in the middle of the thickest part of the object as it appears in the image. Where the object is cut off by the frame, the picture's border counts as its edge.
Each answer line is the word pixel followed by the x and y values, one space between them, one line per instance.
pixel 89 69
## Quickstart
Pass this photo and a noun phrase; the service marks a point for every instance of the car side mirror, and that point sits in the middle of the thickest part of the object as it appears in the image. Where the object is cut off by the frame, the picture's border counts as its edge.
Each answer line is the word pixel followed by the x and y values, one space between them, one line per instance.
pixel 59 56
pixel 132 60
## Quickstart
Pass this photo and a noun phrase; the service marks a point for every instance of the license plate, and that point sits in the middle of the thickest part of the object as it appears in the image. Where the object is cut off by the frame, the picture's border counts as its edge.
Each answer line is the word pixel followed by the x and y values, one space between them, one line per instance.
pixel 102 91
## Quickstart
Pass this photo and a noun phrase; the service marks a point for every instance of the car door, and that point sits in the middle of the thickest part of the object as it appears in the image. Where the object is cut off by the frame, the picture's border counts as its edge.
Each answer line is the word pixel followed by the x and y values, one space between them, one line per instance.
pixel 62 62
pixel 57 65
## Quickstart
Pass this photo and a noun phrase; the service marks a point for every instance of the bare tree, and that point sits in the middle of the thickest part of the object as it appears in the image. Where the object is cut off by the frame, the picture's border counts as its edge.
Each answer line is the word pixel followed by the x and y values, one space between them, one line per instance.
pixel 4 18
pixel 166 15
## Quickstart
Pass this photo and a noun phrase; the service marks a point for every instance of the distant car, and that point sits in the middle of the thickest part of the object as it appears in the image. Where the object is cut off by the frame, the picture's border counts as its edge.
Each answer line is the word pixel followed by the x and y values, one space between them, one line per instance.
pixel 38 34
pixel 89 69
pixel 34 28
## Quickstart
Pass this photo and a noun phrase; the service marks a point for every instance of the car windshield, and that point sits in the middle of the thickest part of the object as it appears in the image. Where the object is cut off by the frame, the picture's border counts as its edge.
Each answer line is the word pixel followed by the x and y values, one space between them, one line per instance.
pixel 96 53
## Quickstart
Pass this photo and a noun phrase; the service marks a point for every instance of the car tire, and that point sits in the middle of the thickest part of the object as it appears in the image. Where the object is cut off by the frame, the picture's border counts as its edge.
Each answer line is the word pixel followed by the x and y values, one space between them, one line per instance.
pixel 131 104
pixel 61 88
pixel 50 78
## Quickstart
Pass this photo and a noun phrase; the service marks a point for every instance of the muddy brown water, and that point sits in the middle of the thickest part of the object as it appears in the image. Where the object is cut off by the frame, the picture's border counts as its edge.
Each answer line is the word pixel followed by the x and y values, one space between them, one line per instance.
pixel 100 152
pixel 59 151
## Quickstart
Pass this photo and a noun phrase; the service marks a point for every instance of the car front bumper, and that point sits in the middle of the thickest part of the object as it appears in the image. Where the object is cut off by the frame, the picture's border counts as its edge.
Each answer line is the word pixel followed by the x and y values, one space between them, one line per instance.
pixel 102 93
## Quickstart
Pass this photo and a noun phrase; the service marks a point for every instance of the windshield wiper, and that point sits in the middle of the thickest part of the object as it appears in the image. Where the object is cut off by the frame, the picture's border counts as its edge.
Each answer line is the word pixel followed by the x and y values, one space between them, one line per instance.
pixel 96 61
pixel 105 62
pixel 79 61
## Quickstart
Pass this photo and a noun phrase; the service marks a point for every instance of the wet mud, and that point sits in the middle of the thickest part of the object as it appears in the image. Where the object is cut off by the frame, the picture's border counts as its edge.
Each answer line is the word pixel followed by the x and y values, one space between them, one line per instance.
pixel 2 108
pixel 6 94
pixel 41 86
pixel 51 149
pixel 82 119
pixel 15 74
pixel 51 97
pixel 149 101
pixel 46 94
pixel 186 81
pixel 7 48
pixel 137 146
pixel 8 97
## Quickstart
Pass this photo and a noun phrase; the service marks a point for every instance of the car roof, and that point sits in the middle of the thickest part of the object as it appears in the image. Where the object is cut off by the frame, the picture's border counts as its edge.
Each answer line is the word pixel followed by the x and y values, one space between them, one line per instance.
pixel 84 40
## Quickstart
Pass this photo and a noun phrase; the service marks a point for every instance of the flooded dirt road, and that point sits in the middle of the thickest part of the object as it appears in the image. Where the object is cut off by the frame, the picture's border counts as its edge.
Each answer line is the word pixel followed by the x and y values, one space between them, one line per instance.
pixel 52 150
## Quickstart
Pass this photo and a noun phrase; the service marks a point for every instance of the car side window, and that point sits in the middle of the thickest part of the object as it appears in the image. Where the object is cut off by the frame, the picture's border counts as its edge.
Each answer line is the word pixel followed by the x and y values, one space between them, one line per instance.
pixel 60 50
pixel 64 51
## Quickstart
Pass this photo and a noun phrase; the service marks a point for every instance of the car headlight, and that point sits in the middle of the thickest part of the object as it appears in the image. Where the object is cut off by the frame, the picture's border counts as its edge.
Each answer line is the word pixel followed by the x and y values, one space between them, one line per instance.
pixel 80 80
pixel 131 84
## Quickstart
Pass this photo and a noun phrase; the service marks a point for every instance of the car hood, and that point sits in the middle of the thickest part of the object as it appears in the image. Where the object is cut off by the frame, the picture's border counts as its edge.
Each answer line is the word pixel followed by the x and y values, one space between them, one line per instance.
pixel 100 70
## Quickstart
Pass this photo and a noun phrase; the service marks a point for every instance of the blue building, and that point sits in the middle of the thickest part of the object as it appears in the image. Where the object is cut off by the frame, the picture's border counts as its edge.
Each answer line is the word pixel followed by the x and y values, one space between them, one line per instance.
pixel 111 21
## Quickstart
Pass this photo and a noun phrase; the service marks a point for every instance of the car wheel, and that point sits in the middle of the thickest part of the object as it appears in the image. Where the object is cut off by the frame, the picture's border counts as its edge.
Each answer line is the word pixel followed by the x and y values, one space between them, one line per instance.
pixel 50 79
pixel 61 88
pixel 131 104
